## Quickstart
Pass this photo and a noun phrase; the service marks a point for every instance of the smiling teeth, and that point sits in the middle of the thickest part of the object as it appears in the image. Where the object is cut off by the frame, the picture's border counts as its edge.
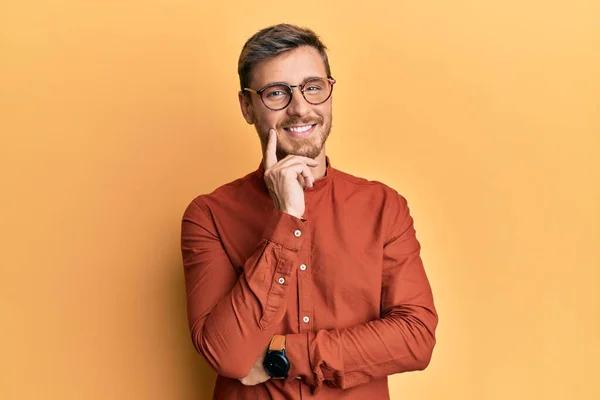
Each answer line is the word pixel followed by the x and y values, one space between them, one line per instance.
pixel 300 129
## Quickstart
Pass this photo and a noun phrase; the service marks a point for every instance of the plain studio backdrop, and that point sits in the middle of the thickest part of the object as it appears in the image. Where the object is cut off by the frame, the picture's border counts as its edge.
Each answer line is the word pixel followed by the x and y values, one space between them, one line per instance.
pixel 114 115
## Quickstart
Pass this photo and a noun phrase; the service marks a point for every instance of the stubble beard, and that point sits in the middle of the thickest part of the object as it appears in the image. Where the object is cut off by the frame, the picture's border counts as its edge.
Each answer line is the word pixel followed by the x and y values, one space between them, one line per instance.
pixel 309 147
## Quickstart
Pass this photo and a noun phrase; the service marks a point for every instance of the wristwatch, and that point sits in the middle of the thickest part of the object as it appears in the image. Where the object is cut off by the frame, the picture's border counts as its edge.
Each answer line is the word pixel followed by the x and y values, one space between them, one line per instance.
pixel 276 363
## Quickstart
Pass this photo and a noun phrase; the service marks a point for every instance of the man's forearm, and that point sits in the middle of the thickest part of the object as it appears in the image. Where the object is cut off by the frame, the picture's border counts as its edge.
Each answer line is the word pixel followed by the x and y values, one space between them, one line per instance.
pixel 401 341
pixel 231 318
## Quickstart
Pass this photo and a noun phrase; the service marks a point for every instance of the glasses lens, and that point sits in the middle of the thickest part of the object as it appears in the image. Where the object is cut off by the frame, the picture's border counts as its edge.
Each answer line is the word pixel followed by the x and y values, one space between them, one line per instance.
pixel 276 96
pixel 317 90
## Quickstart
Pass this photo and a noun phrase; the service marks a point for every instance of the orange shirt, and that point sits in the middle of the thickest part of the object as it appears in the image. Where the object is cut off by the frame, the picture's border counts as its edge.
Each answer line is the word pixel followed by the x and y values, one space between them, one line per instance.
pixel 345 284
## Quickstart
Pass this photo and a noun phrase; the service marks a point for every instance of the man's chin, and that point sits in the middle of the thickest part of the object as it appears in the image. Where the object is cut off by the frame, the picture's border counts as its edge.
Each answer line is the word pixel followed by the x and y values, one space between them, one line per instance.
pixel 312 152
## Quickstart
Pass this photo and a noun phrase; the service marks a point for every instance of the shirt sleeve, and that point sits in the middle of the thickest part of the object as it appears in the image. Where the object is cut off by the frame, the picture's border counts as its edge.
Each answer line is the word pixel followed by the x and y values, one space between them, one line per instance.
pixel 232 316
pixel 401 340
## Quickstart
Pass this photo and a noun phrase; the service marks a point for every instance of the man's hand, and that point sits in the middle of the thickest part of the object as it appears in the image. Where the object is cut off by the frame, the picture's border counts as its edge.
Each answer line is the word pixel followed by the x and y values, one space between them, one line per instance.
pixel 257 373
pixel 284 178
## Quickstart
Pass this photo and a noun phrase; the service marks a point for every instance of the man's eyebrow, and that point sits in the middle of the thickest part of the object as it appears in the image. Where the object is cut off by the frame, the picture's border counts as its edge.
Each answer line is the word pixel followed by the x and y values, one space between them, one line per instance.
pixel 308 78
pixel 311 77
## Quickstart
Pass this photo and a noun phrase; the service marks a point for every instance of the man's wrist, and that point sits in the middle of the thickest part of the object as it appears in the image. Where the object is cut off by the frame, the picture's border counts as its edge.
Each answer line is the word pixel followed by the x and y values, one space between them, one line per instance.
pixel 276 363
pixel 292 213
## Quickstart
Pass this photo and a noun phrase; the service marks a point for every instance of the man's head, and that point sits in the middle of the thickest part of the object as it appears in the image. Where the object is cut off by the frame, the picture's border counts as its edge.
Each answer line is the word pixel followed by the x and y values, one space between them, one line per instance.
pixel 287 55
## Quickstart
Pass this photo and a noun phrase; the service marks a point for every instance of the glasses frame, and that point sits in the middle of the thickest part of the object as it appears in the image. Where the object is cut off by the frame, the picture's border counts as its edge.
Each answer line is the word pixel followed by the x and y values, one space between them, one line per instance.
pixel 291 92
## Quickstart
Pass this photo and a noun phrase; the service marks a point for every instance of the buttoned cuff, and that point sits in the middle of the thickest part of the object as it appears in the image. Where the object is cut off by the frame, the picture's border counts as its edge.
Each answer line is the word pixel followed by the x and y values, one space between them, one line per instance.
pixel 285 230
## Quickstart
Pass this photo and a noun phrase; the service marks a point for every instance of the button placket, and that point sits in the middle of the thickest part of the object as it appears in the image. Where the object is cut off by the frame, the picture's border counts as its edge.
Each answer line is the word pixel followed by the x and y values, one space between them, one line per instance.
pixel 304 294
pixel 305 302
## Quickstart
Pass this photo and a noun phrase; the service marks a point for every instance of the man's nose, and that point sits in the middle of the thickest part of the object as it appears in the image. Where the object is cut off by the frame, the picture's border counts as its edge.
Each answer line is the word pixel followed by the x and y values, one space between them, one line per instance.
pixel 298 106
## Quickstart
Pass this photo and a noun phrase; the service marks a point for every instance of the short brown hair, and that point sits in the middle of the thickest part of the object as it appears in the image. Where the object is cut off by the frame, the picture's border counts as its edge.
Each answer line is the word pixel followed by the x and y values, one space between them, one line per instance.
pixel 272 41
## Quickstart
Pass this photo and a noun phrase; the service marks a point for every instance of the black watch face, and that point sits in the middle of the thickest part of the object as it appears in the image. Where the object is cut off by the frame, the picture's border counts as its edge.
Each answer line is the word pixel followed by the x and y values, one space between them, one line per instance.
pixel 276 364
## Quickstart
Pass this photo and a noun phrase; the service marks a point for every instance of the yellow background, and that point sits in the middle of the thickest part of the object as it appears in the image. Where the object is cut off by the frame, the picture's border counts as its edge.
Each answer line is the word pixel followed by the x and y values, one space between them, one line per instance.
pixel 115 114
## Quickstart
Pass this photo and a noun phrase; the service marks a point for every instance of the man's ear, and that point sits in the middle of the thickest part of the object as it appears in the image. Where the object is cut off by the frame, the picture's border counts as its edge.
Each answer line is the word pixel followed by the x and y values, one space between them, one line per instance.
pixel 246 108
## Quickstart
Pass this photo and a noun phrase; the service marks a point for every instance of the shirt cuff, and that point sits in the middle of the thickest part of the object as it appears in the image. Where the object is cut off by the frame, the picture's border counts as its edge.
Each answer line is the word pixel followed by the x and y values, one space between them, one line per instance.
pixel 285 230
pixel 296 350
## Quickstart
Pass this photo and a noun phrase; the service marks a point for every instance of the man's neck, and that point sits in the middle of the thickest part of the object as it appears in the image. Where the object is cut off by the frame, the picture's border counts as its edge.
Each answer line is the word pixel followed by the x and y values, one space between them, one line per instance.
pixel 319 171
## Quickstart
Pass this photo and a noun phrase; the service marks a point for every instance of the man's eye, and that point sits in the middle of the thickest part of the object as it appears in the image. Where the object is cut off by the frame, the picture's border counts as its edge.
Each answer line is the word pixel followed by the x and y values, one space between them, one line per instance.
pixel 275 93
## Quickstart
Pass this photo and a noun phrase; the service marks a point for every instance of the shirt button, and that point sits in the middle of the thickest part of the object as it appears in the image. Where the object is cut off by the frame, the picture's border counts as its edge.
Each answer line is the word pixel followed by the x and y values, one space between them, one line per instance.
pixel 306 319
pixel 297 233
pixel 303 267
pixel 281 280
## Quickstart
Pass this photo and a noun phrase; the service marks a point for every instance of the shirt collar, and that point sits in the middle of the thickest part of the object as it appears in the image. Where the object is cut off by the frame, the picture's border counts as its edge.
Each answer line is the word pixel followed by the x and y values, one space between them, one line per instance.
pixel 319 183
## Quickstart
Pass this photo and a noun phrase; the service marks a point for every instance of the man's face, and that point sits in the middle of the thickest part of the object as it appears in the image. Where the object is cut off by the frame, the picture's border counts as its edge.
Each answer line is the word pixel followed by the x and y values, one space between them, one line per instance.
pixel 302 128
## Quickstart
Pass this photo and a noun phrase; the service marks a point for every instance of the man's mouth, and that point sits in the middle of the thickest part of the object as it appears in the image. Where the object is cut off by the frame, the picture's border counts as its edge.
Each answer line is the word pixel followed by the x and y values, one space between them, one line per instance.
pixel 299 128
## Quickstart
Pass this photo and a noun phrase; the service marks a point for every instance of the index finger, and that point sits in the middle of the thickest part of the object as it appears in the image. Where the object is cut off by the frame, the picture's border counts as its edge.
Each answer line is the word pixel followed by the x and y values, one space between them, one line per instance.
pixel 270 151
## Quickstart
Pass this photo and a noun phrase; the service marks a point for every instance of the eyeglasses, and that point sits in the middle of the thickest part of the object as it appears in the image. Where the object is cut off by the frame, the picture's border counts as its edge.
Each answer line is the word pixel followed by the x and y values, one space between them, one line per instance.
pixel 278 95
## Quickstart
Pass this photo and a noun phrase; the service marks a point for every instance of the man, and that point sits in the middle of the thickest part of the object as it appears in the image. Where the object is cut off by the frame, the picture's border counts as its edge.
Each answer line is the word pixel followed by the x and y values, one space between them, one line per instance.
pixel 302 281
